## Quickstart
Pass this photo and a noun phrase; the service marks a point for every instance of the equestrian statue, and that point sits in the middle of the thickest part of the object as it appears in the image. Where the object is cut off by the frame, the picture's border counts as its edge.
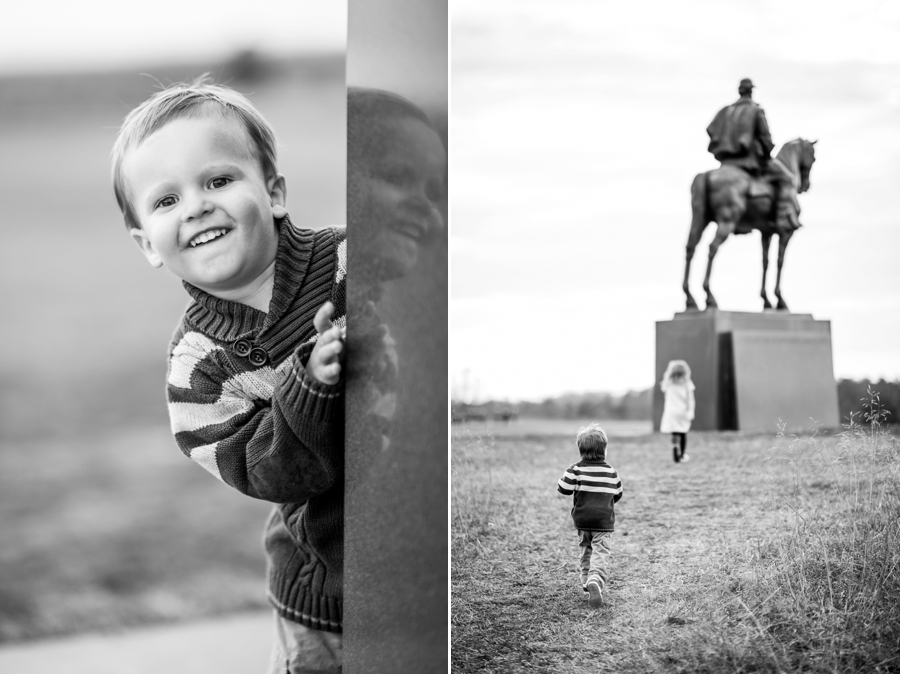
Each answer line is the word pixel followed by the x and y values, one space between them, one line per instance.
pixel 750 190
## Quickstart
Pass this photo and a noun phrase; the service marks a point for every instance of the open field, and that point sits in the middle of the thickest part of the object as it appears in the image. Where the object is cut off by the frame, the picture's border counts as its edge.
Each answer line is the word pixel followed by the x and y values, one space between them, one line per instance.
pixel 762 554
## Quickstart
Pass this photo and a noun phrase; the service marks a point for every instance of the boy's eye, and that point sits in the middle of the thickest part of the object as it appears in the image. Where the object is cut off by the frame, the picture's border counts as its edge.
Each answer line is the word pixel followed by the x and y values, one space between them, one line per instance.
pixel 165 202
pixel 219 182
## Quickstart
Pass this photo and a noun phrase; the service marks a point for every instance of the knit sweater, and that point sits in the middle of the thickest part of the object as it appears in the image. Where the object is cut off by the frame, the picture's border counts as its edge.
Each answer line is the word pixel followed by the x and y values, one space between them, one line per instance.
pixel 242 406
pixel 595 487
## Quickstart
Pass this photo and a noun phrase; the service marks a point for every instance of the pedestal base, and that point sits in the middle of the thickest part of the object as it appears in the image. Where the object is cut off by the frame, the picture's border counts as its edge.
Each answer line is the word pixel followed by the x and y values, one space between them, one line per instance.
pixel 752 370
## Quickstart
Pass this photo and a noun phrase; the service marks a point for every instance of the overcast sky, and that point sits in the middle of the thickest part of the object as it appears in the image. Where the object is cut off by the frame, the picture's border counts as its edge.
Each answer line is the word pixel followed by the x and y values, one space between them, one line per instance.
pixel 577 127
pixel 54 35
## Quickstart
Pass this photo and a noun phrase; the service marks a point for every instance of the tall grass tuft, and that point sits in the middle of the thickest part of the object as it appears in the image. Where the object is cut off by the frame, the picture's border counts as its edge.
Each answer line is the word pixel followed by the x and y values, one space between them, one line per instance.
pixel 826 591
pixel 472 495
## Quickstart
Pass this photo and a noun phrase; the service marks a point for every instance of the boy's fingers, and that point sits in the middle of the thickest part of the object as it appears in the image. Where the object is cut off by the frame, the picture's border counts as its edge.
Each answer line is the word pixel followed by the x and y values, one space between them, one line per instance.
pixel 330 351
pixel 332 334
pixel 322 321
pixel 331 373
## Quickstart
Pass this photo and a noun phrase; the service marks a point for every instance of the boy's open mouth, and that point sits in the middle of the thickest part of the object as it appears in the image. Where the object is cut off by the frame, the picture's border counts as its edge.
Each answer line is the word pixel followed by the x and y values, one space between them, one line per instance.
pixel 206 237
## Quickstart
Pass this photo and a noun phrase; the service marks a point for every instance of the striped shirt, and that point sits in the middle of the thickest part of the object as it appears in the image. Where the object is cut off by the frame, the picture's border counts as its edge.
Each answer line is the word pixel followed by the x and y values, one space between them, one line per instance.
pixel 595 487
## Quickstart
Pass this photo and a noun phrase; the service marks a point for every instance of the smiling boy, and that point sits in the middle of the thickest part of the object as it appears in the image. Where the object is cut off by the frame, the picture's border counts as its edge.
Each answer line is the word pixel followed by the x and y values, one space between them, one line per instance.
pixel 254 382
pixel 205 209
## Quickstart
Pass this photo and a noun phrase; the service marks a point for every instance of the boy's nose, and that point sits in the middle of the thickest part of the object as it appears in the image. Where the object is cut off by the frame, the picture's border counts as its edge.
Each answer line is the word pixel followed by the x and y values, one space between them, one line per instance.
pixel 195 207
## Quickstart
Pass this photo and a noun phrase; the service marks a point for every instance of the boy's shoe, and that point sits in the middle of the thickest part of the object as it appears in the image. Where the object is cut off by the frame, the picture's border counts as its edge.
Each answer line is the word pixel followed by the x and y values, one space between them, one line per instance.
pixel 596 594
pixel 685 458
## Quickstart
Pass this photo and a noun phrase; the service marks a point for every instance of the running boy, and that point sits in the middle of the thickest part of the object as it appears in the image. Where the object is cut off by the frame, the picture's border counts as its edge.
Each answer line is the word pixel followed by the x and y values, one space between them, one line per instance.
pixel 254 381
pixel 596 487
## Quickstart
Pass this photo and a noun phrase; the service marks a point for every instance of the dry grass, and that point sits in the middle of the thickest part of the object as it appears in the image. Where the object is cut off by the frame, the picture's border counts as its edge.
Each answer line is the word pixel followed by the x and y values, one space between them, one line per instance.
pixel 713 570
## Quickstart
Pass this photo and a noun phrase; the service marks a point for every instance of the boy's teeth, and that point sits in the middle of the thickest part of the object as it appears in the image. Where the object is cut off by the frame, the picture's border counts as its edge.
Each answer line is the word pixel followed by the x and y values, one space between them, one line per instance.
pixel 206 236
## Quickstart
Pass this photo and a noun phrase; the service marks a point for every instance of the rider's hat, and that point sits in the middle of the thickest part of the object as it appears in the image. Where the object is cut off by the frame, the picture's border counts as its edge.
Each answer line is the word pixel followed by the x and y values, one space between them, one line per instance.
pixel 746 83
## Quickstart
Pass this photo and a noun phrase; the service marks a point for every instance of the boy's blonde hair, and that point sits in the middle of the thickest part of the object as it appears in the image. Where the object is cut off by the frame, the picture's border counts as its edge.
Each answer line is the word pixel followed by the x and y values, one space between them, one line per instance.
pixel 199 98
pixel 592 441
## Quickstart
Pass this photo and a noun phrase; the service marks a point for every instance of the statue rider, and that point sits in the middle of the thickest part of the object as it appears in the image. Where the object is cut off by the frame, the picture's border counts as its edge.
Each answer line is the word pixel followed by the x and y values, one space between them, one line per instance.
pixel 739 136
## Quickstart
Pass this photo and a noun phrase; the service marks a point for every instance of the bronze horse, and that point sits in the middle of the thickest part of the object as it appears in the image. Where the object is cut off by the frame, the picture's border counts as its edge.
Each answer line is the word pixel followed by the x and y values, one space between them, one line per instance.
pixel 739 204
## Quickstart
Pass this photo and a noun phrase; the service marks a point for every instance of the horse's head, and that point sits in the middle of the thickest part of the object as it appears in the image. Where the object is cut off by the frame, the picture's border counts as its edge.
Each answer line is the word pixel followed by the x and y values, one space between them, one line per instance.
pixel 798 156
pixel 806 159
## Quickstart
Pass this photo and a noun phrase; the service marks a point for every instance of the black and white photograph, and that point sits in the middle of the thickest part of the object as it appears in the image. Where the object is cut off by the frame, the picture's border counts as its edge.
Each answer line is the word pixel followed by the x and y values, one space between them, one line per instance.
pixel 223 435
pixel 467 336
pixel 675 319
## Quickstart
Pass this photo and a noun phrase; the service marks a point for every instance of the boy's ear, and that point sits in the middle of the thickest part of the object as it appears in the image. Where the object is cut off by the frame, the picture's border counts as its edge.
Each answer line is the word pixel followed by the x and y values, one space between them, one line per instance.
pixel 143 242
pixel 277 188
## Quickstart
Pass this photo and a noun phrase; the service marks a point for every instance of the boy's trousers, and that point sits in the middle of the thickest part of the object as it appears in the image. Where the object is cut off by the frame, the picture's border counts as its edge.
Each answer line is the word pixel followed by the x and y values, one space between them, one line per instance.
pixel 595 553
pixel 303 650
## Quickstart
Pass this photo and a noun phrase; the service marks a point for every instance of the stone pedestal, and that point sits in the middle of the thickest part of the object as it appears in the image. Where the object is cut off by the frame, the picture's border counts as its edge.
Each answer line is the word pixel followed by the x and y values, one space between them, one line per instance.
pixel 751 369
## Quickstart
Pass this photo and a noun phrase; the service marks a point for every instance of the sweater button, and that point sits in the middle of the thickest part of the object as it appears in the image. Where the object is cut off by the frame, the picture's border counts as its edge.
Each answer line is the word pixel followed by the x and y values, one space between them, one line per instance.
pixel 258 357
pixel 242 347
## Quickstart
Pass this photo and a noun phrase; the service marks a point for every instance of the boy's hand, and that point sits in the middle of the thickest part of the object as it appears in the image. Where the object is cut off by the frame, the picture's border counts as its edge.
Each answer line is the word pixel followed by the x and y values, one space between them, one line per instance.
pixel 324 364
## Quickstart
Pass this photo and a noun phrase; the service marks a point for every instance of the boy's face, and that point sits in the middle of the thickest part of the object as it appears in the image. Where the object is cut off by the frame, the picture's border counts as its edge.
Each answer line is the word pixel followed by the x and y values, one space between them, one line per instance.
pixel 205 208
pixel 403 187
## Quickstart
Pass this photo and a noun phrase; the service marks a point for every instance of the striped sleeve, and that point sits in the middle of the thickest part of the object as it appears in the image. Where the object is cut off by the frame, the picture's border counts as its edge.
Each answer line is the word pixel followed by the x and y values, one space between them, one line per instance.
pixel 568 483
pixel 268 433
pixel 618 491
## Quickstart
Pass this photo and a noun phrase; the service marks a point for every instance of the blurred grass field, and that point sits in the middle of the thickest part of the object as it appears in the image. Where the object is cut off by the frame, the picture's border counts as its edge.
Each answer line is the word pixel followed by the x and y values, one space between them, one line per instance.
pixel 105 522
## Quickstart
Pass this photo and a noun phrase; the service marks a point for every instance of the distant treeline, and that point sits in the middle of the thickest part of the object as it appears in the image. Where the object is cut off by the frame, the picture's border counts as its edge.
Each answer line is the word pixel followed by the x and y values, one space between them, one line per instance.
pixel 852 397
pixel 631 405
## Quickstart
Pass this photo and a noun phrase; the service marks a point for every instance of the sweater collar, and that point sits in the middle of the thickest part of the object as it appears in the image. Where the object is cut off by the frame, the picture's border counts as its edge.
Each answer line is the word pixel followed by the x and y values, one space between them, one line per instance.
pixel 227 320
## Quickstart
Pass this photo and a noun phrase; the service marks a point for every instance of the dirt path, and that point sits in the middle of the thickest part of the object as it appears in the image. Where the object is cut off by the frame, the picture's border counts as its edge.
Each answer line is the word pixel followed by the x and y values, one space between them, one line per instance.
pixel 681 533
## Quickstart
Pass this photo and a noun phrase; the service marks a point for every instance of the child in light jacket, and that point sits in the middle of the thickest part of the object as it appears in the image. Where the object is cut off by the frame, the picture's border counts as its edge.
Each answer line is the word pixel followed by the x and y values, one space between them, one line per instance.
pixel 678 411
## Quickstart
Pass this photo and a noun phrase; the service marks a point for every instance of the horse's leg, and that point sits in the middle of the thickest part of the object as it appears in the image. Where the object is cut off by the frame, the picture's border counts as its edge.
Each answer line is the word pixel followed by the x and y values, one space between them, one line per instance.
pixel 766 240
pixel 698 224
pixel 725 227
pixel 783 238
